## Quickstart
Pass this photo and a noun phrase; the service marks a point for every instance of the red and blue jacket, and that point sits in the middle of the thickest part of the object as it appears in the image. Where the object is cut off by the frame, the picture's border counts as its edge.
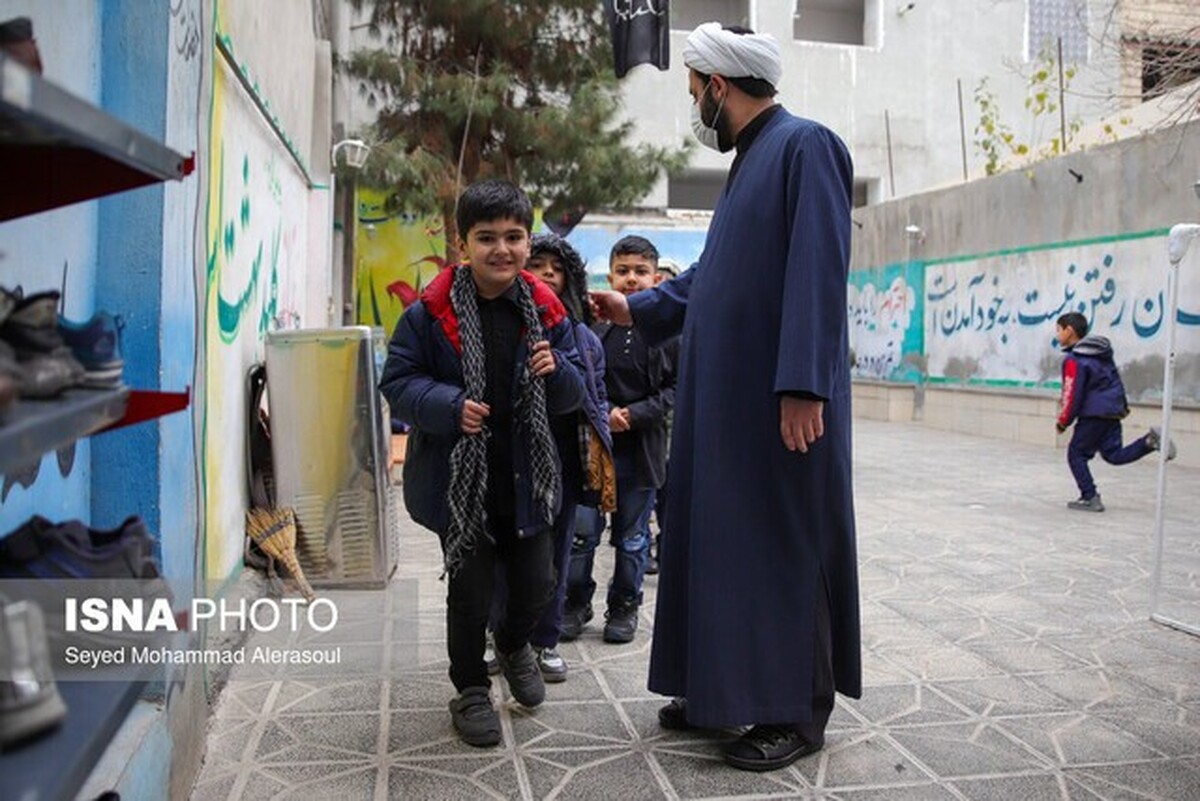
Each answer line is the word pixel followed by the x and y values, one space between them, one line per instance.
pixel 1091 385
pixel 423 383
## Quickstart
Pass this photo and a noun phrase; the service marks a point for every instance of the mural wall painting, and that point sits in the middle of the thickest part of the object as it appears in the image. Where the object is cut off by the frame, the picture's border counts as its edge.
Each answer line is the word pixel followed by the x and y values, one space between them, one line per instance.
pixel 396 255
pixel 990 319
pixel 254 282
pixel 884 308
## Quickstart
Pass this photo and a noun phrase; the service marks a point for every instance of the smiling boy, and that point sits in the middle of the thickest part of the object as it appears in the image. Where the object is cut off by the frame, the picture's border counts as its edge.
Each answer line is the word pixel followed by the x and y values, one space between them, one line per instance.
pixel 477 366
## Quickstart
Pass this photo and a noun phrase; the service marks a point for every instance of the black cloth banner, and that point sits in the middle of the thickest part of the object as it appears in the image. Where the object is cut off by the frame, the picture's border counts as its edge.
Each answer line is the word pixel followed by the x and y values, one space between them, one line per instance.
pixel 641 33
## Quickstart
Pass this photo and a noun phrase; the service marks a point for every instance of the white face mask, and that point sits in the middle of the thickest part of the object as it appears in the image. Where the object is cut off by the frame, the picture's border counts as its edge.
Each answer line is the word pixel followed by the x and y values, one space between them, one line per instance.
pixel 707 136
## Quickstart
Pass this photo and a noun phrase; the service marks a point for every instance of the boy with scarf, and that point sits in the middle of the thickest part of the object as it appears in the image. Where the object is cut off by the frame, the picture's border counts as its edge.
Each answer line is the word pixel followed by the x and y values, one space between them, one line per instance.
pixel 477 367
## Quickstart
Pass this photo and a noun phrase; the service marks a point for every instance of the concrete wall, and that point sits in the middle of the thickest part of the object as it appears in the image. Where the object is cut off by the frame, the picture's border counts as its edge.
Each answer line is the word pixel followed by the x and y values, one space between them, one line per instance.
pixel 956 291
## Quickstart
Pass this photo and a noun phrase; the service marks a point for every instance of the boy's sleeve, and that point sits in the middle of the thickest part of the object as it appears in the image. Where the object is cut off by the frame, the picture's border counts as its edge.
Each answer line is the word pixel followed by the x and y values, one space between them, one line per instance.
pixel 1072 393
pixel 411 391
pixel 653 409
pixel 565 386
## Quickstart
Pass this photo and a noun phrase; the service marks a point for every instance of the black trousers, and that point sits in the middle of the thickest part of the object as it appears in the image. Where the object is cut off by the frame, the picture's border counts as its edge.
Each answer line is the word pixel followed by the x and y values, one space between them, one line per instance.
pixel 528 565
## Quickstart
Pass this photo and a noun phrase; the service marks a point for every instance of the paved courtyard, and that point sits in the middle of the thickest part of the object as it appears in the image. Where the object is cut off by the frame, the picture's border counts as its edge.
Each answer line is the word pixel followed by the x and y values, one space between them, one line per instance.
pixel 1008 654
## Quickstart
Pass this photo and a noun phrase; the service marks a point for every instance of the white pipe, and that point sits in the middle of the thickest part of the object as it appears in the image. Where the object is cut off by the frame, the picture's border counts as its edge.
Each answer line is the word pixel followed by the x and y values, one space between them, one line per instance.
pixel 1180 238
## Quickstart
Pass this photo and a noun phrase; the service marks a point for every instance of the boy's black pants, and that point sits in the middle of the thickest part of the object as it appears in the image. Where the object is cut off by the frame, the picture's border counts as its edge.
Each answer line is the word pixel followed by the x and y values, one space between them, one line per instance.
pixel 528 564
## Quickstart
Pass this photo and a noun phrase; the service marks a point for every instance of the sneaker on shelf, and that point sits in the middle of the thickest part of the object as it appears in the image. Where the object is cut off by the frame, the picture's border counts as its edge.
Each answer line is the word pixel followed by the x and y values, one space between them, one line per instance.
pixel 8 301
pixel 552 665
pixel 96 344
pixel 44 375
pixel 118 561
pixel 32 324
pixel 1154 442
pixel 41 549
pixel 11 376
pixel 29 700
pixel 1091 504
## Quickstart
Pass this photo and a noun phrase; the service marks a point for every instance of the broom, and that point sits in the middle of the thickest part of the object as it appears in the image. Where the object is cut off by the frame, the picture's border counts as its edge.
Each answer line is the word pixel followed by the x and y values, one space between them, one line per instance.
pixel 274 531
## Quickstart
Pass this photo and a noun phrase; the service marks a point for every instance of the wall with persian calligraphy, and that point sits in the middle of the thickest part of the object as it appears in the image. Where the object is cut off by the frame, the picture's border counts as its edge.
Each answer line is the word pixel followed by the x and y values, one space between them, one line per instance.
pixel 971 279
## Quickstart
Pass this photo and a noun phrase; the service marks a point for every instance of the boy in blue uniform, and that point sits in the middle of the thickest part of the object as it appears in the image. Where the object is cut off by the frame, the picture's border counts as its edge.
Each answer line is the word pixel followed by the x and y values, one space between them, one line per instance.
pixel 1093 397
pixel 477 367
pixel 641 391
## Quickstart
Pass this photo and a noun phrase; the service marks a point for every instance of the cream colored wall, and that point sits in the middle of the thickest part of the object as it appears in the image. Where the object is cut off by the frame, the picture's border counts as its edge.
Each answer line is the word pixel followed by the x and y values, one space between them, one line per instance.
pixel 1010 416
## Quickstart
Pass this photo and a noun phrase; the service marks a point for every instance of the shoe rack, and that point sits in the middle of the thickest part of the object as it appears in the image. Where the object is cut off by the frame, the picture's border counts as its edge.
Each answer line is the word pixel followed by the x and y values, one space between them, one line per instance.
pixel 57 149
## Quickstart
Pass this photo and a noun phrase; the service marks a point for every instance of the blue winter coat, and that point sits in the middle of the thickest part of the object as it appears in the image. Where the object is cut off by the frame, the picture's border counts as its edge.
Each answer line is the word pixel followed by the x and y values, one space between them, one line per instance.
pixel 595 410
pixel 1091 385
pixel 423 383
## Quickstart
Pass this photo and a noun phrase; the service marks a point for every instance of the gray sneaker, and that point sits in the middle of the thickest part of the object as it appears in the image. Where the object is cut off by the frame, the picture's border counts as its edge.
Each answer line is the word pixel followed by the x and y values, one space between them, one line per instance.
pixel 524 676
pixel 474 717
pixel 1091 504
pixel 552 665
pixel 1154 442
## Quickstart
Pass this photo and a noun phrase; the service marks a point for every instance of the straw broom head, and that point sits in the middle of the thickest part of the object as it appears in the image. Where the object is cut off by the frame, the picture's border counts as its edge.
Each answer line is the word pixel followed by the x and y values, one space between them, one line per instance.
pixel 274 530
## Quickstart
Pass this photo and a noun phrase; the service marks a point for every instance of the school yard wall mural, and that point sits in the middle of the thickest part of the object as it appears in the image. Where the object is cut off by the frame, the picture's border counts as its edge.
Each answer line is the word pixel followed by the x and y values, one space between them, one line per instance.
pixel 396 254
pixel 990 318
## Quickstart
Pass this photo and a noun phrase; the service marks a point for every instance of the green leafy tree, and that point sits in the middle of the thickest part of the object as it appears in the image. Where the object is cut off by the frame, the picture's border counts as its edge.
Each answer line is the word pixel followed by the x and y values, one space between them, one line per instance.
pixel 516 89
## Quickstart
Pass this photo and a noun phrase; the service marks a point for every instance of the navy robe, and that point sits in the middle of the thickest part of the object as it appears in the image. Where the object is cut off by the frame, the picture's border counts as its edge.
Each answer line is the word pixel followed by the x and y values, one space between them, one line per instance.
pixel 754 531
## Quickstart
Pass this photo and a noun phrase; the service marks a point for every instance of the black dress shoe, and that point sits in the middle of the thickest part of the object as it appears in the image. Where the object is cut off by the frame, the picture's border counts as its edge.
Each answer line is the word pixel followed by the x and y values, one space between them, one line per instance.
pixel 674 716
pixel 769 747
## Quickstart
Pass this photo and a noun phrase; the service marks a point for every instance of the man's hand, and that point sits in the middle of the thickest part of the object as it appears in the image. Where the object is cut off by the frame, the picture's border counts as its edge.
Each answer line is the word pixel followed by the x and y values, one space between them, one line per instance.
pixel 618 419
pixel 611 306
pixel 1061 428
pixel 801 422
pixel 541 362
pixel 473 415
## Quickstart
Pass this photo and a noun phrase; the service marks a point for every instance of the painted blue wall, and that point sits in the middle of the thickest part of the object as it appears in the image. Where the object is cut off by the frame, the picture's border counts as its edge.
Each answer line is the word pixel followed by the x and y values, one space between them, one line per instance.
pixel 125 463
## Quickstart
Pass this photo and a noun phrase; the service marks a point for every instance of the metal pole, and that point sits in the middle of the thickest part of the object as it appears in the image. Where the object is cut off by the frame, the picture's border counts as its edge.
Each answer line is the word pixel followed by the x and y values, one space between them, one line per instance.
pixel 962 129
pixel 887 128
pixel 1177 246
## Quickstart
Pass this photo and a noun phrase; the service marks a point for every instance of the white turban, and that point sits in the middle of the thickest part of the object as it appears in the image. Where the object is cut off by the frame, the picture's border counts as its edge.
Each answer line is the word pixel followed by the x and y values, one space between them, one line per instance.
pixel 714 51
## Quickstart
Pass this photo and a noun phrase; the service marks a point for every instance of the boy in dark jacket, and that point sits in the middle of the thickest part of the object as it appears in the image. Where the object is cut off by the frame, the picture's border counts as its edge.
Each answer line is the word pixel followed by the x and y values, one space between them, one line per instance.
pixel 641 391
pixel 477 367
pixel 1093 397
pixel 589 473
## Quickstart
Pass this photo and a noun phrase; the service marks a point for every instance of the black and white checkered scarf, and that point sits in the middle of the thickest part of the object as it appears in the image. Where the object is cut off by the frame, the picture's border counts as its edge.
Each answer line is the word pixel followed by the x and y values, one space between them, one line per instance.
pixel 468 460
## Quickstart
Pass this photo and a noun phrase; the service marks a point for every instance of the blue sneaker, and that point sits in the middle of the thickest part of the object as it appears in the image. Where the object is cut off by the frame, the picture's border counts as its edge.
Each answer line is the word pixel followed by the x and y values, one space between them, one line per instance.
pixel 96 345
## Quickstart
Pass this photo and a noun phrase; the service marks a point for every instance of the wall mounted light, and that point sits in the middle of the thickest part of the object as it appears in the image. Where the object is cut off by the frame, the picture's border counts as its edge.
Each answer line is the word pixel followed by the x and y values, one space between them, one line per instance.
pixel 356 153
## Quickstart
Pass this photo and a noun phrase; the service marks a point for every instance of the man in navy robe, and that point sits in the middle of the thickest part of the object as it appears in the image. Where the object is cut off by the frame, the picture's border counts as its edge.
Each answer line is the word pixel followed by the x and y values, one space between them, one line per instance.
pixel 757 622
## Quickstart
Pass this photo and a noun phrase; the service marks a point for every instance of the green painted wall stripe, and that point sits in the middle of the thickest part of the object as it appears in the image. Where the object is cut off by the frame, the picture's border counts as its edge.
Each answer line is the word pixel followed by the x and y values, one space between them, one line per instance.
pixel 1007 383
pixel 1097 240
